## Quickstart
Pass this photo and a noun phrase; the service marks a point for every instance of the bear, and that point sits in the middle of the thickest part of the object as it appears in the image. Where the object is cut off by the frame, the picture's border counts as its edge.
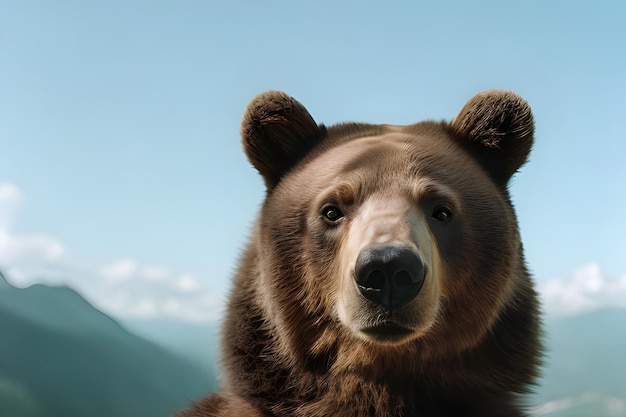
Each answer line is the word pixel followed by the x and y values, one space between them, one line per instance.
pixel 385 274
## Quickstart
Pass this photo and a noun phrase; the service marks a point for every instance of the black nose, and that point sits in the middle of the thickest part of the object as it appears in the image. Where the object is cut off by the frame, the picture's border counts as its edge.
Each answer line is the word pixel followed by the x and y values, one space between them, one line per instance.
pixel 389 275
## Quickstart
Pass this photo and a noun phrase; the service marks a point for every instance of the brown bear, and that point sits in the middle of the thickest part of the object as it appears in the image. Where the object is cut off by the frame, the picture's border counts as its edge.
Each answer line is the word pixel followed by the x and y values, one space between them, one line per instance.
pixel 385 276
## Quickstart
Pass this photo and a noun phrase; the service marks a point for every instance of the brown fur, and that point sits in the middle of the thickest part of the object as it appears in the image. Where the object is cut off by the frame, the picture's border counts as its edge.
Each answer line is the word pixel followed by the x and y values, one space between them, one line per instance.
pixel 293 338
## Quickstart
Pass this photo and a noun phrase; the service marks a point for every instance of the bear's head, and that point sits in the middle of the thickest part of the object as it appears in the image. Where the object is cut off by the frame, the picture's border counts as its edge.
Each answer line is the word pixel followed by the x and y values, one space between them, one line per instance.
pixel 384 237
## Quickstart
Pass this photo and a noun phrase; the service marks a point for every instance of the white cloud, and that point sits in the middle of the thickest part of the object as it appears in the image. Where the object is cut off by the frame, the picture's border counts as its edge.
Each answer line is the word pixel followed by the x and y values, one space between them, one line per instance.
pixel 200 308
pixel 29 248
pixel 119 271
pixel 587 289
pixel 187 284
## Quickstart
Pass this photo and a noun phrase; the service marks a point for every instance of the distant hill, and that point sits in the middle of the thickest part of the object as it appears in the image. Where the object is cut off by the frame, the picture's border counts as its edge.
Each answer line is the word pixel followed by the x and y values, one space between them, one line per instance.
pixel 197 341
pixel 585 369
pixel 61 357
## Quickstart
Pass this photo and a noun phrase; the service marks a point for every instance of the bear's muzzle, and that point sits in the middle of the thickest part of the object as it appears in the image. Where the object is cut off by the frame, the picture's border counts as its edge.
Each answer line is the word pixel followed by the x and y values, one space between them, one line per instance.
pixel 389 275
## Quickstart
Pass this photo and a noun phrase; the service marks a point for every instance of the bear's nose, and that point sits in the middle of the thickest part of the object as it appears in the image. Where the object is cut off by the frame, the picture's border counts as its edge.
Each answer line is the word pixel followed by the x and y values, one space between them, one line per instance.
pixel 390 275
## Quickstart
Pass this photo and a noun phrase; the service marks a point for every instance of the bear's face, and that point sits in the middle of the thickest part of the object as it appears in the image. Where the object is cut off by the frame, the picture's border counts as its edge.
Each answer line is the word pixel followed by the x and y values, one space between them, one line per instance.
pixel 396 233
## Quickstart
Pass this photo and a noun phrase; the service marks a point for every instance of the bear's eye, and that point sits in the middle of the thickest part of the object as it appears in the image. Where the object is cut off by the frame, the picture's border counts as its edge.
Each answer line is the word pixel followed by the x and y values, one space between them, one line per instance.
pixel 442 213
pixel 332 213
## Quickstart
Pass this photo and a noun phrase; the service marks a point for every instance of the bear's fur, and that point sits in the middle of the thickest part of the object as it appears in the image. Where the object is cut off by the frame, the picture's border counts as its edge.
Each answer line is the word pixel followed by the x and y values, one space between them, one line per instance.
pixel 385 275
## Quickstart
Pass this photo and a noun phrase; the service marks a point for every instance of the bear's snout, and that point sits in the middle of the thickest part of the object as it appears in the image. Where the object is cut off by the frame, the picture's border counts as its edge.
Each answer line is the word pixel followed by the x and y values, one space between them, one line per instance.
pixel 389 275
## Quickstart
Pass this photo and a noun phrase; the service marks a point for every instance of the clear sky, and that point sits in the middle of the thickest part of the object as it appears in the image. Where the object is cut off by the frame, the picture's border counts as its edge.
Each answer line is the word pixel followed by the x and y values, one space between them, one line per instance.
pixel 121 171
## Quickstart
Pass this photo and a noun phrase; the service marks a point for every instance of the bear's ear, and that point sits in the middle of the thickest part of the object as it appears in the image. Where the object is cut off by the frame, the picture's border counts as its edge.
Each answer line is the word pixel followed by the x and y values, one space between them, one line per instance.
pixel 497 128
pixel 277 131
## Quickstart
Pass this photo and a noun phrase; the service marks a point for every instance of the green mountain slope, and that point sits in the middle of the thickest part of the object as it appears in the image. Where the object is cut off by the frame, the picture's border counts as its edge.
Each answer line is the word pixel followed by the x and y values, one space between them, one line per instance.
pixel 59 356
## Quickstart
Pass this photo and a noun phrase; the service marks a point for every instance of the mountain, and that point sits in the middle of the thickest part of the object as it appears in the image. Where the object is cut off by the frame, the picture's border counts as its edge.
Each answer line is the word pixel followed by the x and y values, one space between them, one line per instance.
pixel 585 366
pixel 61 357
pixel 198 342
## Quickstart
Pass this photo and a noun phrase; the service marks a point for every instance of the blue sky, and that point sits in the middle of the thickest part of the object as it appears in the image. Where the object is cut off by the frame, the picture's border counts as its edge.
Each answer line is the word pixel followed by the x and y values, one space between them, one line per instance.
pixel 121 171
